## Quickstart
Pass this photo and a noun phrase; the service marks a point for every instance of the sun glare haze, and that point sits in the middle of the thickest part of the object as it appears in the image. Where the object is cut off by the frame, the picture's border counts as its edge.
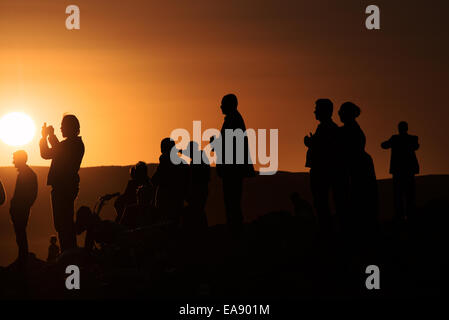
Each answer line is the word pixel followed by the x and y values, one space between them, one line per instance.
pixel 16 129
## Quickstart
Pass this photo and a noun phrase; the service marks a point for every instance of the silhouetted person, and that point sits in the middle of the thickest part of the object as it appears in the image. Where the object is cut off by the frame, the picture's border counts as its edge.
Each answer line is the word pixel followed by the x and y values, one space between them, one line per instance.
pixel 171 183
pixel 97 230
pixel 138 178
pixel 24 196
pixel 128 197
pixel 324 161
pixel 362 208
pixel 141 213
pixel 233 173
pixel 198 188
pixel 53 250
pixel 403 166
pixel 63 175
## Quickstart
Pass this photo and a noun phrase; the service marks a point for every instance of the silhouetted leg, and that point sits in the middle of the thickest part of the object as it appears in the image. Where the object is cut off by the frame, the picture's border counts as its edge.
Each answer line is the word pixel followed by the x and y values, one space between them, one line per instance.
pixel 63 212
pixel 340 192
pixel 320 186
pixel 232 193
pixel 20 221
pixel 410 196
pixel 22 242
pixel 398 191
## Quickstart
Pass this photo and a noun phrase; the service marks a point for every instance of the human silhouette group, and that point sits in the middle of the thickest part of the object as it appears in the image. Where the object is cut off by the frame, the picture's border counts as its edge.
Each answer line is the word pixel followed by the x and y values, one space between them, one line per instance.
pixel 339 165
pixel 176 194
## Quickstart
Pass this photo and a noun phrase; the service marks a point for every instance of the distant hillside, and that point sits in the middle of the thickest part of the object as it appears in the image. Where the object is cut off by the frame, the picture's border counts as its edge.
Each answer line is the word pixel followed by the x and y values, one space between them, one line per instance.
pixel 262 194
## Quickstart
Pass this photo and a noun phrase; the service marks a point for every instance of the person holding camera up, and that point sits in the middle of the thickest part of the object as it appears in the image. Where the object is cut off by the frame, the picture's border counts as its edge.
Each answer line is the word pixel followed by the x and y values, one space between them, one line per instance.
pixel 66 156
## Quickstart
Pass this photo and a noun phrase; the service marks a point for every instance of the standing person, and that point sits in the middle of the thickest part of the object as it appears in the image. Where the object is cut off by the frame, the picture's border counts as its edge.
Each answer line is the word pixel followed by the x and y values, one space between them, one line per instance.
pixel 24 196
pixel 63 175
pixel 195 216
pixel 361 216
pixel 171 182
pixel 233 170
pixel 326 170
pixel 403 166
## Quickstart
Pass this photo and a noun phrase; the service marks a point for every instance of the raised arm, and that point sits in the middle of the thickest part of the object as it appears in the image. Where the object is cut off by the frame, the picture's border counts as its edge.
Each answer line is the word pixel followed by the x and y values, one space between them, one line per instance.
pixel 53 139
pixel 386 144
pixel 46 152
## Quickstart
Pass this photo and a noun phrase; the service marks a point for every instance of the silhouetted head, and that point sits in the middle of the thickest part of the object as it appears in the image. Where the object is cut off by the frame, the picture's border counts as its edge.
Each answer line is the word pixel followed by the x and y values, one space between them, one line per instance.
pixel 19 158
pixel 132 172
pixel 166 145
pixel 323 109
pixel 53 239
pixel 70 126
pixel 141 171
pixel 348 112
pixel 229 104
pixel 403 127
pixel 83 216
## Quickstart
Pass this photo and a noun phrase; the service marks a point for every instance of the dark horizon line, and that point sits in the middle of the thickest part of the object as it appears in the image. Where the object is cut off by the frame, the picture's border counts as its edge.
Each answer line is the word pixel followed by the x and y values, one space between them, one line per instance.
pixel 279 171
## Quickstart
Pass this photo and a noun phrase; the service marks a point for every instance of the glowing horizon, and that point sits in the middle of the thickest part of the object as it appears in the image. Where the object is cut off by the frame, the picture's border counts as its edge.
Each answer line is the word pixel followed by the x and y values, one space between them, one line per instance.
pixel 135 72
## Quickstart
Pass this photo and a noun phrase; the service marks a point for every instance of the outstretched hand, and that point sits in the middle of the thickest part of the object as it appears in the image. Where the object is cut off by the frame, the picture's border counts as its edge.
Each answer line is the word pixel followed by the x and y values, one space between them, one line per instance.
pixel 44 130
pixel 50 130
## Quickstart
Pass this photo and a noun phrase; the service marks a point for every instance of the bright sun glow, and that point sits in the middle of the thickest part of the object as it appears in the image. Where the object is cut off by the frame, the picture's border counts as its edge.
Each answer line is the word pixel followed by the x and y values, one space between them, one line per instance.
pixel 16 129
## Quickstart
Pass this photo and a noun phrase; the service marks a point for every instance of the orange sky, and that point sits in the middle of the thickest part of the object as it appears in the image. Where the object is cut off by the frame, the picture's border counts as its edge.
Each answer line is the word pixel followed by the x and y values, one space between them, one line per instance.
pixel 139 69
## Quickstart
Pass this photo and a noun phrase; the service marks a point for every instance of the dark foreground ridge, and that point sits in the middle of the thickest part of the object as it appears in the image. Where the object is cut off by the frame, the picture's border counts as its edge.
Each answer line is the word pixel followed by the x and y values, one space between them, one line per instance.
pixel 279 255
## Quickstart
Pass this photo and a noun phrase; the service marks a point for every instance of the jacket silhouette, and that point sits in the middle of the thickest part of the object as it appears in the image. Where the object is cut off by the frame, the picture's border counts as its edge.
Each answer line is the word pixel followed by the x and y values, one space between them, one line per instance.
pixel 66 159
pixel 403 157
pixel 63 175
pixel 25 194
pixel 171 183
pixel 360 175
pixel 326 167
pixel 403 166
pixel 195 215
pixel 233 170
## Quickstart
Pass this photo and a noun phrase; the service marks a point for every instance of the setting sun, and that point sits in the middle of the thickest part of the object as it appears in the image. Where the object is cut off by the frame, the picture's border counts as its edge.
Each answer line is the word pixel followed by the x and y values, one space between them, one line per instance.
pixel 16 129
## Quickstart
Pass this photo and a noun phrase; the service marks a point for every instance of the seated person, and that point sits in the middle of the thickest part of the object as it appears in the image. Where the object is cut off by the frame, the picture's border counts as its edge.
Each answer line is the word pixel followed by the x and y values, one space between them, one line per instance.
pixel 102 232
pixel 142 213
pixel 138 177
pixel 53 250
